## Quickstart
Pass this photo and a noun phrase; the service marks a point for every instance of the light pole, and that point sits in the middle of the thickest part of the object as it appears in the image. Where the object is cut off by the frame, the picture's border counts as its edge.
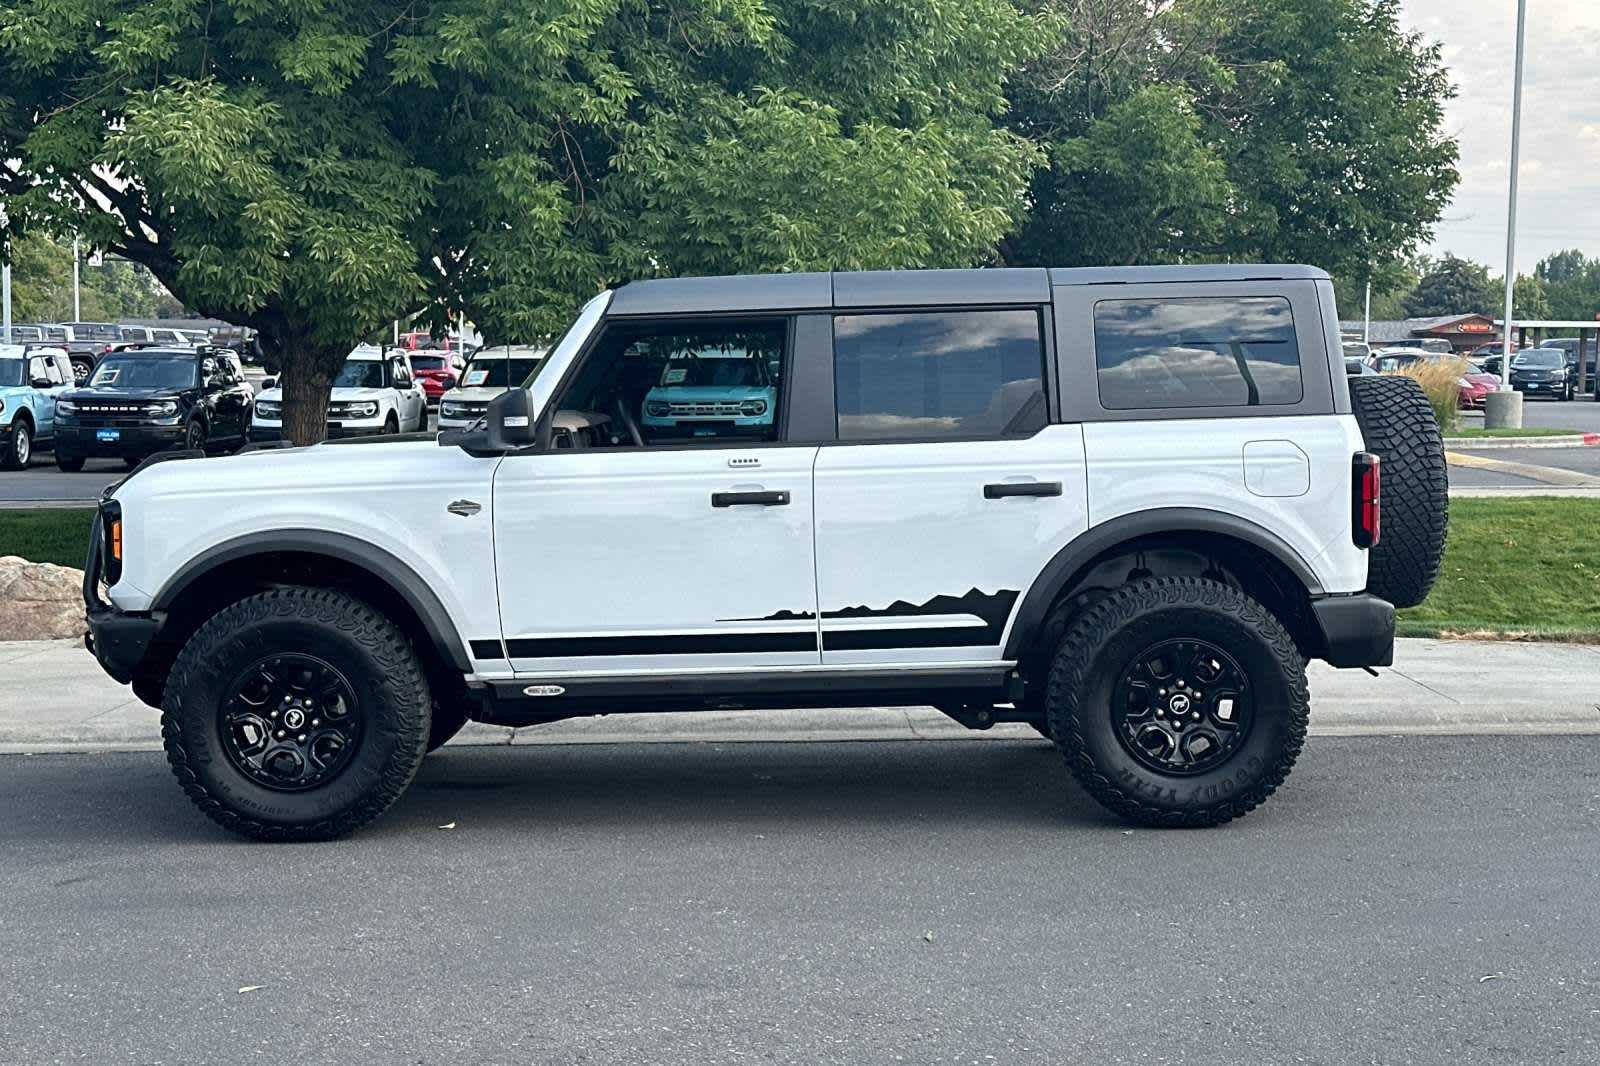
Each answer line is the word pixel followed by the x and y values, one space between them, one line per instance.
pixel 77 305
pixel 5 301
pixel 1366 317
pixel 1503 407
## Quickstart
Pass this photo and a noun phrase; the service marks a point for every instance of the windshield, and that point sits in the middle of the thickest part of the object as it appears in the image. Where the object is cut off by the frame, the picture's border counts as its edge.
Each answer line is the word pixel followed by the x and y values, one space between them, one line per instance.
pixel 360 374
pixel 1542 358
pixel 428 362
pixel 713 373
pixel 488 372
pixel 10 372
pixel 144 372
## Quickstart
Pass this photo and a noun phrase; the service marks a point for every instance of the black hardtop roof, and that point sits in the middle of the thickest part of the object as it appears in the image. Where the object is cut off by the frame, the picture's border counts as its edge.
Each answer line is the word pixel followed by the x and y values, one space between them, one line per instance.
pixel 913 288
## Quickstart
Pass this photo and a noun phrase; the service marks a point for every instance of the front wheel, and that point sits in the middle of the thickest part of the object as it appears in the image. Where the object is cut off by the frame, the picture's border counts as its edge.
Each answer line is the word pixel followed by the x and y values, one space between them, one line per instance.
pixel 391 425
pixel 194 437
pixel 1178 702
pixel 296 714
pixel 16 452
pixel 69 464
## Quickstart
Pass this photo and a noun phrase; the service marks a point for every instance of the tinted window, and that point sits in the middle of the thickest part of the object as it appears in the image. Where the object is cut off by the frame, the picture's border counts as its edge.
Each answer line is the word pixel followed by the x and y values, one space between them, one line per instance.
pixel 10 373
pixel 487 371
pixel 938 374
pixel 360 374
pixel 427 362
pixel 1234 352
pixel 144 372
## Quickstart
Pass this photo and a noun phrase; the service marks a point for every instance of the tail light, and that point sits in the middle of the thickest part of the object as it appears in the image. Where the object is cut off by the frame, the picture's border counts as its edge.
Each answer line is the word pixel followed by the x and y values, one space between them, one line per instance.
pixel 1365 499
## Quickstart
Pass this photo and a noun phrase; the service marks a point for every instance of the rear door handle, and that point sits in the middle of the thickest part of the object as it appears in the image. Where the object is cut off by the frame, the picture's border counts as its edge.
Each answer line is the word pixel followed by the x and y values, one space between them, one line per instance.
pixel 1003 489
pixel 764 498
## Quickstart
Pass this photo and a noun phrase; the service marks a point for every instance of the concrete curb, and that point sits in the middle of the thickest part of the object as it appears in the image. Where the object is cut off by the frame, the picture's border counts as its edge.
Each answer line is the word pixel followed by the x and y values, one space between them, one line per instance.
pixel 1575 440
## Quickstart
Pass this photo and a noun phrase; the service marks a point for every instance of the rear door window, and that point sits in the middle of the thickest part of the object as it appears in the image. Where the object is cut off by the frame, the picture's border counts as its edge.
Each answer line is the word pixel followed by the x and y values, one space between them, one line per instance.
pixel 1196 352
pixel 937 375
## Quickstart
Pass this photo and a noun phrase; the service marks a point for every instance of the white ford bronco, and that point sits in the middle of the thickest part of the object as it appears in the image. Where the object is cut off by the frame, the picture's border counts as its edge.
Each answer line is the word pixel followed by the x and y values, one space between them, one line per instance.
pixel 1124 506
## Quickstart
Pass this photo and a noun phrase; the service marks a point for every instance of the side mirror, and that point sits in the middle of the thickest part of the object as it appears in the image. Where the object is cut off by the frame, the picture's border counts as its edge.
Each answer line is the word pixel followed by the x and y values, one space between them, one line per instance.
pixel 267 383
pixel 510 422
pixel 42 382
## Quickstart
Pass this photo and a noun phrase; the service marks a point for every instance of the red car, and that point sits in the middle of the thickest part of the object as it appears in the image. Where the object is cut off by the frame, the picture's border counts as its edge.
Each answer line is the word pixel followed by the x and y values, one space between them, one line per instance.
pixel 435 371
pixel 1475 384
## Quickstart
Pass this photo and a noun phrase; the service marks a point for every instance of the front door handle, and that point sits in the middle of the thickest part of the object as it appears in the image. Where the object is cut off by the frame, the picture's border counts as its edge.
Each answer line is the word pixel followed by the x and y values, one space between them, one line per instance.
pixel 763 498
pixel 1003 489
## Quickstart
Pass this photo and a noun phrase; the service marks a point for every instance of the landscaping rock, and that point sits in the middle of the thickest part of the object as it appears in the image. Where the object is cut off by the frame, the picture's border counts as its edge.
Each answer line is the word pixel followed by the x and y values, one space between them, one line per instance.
pixel 39 601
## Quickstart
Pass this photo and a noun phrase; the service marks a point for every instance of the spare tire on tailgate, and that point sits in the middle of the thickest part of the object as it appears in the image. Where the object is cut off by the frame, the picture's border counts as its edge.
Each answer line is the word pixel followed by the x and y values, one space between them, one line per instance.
pixel 1398 424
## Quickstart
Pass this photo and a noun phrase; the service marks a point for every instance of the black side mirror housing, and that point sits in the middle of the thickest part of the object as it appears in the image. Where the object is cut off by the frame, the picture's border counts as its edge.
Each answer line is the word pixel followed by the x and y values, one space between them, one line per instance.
pixel 510 423
pixel 41 383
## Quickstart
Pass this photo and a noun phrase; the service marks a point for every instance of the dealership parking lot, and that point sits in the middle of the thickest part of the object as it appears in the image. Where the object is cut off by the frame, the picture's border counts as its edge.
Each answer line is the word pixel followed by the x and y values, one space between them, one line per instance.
pixel 960 902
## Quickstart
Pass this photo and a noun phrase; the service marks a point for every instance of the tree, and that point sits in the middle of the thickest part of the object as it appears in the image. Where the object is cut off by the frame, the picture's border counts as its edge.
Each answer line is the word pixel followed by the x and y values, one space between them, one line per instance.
pixel 317 170
pixel 1454 286
pixel 1310 131
pixel 1572 282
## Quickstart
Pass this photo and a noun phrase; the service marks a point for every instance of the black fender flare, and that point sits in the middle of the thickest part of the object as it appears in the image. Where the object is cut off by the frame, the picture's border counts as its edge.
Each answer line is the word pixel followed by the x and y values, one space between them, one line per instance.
pixel 405 581
pixel 1071 560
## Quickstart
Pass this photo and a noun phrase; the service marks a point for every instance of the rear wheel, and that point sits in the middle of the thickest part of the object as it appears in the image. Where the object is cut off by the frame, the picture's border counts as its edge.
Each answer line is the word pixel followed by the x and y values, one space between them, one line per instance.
pixel 1178 702
pixel 296 714
pixel 18 448
pixel 1398 425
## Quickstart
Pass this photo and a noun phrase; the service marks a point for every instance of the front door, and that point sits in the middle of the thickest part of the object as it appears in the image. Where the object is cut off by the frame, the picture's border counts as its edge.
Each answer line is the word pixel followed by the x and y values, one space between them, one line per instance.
pixel 949 489
pixel 668 527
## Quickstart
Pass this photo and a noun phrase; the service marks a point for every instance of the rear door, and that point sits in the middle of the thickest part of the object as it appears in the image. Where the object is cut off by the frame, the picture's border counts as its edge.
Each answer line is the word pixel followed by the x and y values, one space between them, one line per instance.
pixel 949 487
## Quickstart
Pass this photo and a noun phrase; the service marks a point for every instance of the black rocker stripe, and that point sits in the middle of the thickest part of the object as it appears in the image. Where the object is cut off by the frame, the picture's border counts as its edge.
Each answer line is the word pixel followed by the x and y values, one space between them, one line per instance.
pixel 880 639
pixel 486 649
pixel 661 644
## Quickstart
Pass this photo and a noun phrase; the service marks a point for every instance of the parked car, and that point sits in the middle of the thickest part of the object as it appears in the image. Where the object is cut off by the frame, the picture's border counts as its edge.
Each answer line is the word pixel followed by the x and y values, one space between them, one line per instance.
pixel 421 340
pixel 23 335
pixel 31 378
pixel 435 369
pixel 1476 384
pixel 1542 372
pixel 1130 532
pixel 1569 346
pixel 712 392
pixel 487 374
pixel 83 351
pixel 145 400
pixel 1356 366
pixel 373 394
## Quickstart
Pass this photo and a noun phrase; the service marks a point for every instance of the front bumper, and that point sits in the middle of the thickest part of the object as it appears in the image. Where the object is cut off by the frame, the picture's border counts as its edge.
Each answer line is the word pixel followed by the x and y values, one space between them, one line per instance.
pixel 1357 630
pixel 71 439
pixel 118 639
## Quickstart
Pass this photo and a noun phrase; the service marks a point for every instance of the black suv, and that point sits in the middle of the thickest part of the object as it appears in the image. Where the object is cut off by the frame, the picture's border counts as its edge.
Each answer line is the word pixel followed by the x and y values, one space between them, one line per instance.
pixel 142 401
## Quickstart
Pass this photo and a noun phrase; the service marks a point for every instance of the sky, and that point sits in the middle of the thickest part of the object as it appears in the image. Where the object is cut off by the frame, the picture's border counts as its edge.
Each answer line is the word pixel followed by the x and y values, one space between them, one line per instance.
pixel 1559 195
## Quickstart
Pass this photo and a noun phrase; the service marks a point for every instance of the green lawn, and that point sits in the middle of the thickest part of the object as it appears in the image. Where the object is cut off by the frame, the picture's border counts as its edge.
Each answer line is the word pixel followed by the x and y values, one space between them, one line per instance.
pixel 1525 431
pixel 1516 566
pixel 47 535
pixel 1527 565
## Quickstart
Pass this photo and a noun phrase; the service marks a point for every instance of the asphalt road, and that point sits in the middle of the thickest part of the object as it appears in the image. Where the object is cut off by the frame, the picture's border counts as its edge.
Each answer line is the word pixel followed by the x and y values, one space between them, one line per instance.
pixel 1426 900
pixel 1582 414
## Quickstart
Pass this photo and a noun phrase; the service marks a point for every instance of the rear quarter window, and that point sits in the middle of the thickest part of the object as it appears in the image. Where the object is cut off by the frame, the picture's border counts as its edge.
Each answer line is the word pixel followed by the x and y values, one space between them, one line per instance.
pixel 1196 352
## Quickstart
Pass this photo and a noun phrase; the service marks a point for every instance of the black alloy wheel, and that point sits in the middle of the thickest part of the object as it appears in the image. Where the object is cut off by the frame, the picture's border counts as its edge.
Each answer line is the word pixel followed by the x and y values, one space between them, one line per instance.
pixel 1182 707
pixel 289 722
pixel 194 438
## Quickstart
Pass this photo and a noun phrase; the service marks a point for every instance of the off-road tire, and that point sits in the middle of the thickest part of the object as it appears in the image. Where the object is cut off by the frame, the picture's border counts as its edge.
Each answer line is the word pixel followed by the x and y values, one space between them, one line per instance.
pixel 448 719
pixel 1398 425
pixel 371 652
pixel 18 448
pixel 1107 635
pixel 69 464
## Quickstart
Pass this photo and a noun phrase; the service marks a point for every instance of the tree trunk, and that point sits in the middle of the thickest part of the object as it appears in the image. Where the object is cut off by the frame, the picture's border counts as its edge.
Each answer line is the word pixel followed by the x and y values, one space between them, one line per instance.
pixel 306 372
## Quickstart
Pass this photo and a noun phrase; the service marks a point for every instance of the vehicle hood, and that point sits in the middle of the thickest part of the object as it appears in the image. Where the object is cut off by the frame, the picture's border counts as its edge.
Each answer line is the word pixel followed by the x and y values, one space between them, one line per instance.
pixel 275 395
pixel 709 393
pixel 477 394
pixel 121 395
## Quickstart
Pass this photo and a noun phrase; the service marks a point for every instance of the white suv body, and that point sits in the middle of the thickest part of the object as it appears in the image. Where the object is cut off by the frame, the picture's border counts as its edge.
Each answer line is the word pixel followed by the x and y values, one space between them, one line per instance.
pixel 963 463
pixel 373 394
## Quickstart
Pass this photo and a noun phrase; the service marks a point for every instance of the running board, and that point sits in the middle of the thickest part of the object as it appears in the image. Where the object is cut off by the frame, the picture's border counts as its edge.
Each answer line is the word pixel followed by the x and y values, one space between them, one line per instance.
pixel 533 700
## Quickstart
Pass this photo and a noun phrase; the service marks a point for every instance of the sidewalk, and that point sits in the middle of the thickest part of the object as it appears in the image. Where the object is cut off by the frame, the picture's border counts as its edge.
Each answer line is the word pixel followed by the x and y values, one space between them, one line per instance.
pixel 53 697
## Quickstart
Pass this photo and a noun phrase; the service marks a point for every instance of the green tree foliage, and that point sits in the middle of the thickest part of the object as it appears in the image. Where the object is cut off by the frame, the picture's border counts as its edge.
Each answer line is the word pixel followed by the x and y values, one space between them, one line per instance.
pixel 109 292
pixel 1299 130
pixel 316 170
pixel 1572 284
pixel 1453 286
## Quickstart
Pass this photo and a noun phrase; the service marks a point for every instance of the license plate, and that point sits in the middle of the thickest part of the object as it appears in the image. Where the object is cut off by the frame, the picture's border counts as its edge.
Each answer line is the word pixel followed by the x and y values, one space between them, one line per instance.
pixel 108 434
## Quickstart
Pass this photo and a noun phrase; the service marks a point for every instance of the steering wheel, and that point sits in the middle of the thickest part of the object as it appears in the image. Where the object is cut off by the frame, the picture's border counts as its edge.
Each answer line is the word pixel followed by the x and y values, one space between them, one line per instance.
pixel 619 407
